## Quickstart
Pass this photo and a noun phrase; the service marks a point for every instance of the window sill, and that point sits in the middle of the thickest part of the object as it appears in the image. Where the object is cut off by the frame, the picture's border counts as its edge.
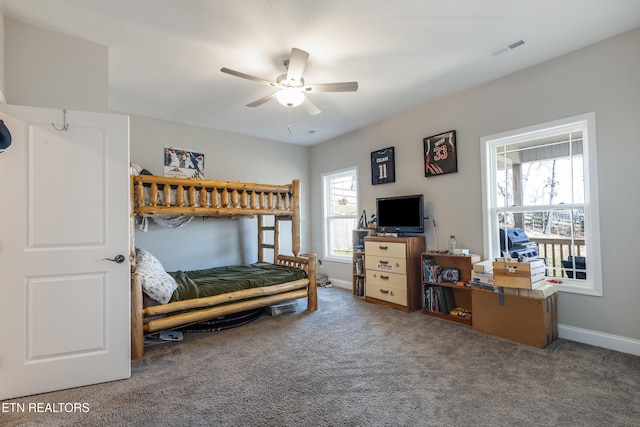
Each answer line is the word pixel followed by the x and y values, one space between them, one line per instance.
pixel 578 287
pixel 346 260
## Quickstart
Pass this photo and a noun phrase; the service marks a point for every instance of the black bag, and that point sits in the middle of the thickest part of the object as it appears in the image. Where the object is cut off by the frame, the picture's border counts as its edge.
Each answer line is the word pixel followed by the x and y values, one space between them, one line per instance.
pixel 5 137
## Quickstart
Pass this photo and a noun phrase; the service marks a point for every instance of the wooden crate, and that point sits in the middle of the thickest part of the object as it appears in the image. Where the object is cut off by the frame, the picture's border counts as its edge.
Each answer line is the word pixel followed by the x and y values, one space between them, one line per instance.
pixel 521 275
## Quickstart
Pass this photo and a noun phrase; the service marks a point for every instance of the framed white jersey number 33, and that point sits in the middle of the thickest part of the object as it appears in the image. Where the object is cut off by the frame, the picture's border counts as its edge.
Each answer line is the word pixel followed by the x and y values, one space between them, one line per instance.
pixel 383 167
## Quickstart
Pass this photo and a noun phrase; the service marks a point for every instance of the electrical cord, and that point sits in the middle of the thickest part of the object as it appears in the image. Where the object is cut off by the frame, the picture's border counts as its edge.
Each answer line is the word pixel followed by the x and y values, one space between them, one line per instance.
pixel 437 235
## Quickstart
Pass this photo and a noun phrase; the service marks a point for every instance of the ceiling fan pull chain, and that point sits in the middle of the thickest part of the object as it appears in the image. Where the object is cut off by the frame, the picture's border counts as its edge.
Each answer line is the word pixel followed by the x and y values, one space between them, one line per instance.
pixel 289 126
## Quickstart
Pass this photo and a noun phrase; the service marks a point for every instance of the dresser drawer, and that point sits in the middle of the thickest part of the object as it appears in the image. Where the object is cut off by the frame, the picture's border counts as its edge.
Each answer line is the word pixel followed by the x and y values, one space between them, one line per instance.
pixel 387 264
pixel 388 287
pixel 387 249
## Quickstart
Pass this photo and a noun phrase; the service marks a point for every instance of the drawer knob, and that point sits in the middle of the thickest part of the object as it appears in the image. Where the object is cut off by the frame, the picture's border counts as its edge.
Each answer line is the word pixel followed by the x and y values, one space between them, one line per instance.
pixel 384 291
pixel 384 248
pixel 383 262
pixel 384 277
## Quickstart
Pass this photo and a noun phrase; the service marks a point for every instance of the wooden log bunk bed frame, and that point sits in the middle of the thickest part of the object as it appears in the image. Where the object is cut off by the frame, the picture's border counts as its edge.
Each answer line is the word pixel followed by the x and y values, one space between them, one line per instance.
pixel 219 199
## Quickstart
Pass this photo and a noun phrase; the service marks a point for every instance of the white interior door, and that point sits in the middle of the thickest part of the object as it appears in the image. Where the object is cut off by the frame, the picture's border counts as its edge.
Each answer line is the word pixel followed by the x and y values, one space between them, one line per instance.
pixel 64 308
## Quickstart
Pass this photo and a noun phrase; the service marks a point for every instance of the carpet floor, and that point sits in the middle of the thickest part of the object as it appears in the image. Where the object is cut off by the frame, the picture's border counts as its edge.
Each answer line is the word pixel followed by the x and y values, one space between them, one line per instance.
pixel 353 363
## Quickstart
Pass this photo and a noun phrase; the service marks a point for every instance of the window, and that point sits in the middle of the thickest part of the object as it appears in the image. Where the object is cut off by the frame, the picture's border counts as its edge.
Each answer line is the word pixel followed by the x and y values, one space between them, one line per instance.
pixel 340 213
pixel 540 200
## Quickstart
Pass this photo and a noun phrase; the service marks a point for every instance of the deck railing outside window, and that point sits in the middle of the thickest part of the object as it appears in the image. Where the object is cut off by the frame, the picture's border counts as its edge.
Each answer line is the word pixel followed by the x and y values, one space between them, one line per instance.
pixel 557 250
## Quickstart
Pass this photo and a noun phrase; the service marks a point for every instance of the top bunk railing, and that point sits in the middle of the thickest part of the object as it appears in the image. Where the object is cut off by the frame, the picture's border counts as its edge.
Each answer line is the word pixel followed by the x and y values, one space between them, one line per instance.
pixel 157 196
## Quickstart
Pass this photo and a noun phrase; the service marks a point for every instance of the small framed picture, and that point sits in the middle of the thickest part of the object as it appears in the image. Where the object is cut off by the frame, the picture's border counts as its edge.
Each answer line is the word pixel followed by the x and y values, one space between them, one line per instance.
pixel 440 154
pixel 183 163
pixel 383 167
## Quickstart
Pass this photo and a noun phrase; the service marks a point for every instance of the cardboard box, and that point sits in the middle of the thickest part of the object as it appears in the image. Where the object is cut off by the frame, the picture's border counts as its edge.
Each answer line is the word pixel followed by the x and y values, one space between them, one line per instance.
pixel 517 318
pixel 538 293
pixel 521 275
pixel 483 266
pixel 485 278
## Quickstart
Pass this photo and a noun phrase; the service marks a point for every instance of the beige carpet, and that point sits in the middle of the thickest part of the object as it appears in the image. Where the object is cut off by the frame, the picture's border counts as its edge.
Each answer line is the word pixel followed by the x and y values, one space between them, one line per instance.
pixel 356 364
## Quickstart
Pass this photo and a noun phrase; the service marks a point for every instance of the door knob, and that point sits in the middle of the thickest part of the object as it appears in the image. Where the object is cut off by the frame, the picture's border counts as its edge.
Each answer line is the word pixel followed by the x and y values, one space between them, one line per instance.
pixel 118 259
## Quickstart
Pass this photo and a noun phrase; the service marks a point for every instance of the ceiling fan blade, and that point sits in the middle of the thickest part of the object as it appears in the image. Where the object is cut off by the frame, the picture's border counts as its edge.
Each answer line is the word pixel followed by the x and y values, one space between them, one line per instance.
pixel 247 76
pixel 297 62
pixel 311 107
pixel 332 87
pixel 261 101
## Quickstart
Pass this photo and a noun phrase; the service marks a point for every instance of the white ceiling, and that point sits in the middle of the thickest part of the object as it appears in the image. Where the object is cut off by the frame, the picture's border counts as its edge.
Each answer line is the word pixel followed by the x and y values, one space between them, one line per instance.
pixel 165 55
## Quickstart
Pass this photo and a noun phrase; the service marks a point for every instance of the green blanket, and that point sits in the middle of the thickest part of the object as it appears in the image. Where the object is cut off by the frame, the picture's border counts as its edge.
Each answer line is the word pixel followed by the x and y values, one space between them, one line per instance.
pixel 221 280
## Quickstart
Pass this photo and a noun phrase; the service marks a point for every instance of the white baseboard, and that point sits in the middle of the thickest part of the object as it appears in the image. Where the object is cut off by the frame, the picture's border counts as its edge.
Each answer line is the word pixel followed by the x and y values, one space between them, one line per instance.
pixel 585 336
pixel 341 283
pixel 599 339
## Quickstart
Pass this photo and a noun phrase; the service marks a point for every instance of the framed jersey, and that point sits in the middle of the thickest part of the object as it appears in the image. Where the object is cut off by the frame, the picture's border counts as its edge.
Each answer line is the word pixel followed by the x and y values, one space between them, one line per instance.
pixel 383 168
pixel 440 154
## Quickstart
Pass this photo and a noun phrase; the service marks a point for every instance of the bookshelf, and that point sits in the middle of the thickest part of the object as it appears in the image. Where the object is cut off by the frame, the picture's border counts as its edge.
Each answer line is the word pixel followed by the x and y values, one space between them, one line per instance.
pixel 440 296
pixel 358 262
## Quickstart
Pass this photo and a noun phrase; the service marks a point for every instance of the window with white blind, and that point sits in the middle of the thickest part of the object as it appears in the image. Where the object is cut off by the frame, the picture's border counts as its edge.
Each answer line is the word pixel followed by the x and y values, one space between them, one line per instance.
pixel 340 191
pixel 543 180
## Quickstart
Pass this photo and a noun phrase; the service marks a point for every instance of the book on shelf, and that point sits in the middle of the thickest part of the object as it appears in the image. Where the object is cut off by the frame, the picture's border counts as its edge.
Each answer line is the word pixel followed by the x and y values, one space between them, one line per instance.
pixel 358 266
pixel 449 301
pixel 430 301
pixel 431 270
pixel 438 299
pixel 442 303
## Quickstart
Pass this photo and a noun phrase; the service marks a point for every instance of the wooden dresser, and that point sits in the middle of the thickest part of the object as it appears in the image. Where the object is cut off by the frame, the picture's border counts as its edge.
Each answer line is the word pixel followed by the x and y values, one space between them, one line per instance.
pixel 392 269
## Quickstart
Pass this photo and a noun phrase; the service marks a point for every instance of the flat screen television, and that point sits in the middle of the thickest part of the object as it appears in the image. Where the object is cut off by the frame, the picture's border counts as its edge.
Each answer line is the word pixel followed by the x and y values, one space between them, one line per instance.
pixel 400 214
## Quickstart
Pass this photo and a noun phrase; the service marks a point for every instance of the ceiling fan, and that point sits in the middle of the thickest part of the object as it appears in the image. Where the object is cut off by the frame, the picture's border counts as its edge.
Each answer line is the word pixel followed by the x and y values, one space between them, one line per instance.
pixel 291 86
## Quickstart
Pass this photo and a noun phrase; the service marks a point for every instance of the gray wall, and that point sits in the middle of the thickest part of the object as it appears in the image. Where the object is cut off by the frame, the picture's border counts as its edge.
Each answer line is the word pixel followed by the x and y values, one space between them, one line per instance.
pixel 48 69
pixel 44 68
pixel 603 78
pixel 228 157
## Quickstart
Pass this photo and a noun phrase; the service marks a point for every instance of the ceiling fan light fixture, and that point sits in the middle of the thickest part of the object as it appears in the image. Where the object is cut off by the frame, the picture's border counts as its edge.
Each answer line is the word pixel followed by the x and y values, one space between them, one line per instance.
pixel 291 85
pixel 290 97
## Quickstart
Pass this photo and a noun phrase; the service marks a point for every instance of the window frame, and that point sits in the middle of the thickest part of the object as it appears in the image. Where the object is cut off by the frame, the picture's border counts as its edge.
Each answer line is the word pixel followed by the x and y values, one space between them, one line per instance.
pixel 587 123
pixel 326 218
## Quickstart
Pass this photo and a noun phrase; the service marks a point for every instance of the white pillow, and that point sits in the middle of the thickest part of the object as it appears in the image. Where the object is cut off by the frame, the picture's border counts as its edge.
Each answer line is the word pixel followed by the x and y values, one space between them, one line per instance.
pixel 155 281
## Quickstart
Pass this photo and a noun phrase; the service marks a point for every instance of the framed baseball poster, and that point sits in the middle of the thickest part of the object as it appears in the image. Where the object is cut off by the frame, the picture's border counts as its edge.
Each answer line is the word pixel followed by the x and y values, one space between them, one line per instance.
pixel 383 168
pixel 183 163
pixel 440 156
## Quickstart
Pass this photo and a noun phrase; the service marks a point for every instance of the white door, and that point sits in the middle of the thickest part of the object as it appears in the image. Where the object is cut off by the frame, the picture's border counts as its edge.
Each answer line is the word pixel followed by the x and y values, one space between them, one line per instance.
pixel 64 209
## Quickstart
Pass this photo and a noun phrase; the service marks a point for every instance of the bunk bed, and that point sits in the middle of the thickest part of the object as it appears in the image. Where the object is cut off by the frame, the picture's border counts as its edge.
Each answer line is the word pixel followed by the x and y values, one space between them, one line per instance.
pixel 157 196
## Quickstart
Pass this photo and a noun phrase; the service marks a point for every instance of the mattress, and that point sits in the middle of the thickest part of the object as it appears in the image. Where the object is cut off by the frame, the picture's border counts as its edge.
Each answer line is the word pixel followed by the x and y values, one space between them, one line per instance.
pixel 221 280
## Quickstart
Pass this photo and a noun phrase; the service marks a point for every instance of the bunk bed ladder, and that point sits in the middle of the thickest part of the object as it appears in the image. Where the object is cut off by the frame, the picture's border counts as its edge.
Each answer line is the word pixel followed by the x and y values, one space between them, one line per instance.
pixel 262 245
pixel 275 229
